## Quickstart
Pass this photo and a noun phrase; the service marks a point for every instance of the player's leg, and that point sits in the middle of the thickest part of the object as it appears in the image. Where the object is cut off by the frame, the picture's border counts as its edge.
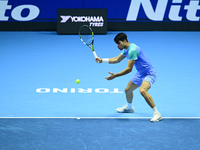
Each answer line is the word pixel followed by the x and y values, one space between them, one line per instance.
pixel 129 91
pixel 129 97
pixel 144 92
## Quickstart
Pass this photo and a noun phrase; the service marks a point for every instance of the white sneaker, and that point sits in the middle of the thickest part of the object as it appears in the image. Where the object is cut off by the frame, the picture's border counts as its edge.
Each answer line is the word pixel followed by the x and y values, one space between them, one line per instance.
pixel 125 110
pixel 156 117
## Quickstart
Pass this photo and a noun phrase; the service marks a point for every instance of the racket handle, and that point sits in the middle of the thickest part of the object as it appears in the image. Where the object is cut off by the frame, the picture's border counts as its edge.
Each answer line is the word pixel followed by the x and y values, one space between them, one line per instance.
pixel 95 55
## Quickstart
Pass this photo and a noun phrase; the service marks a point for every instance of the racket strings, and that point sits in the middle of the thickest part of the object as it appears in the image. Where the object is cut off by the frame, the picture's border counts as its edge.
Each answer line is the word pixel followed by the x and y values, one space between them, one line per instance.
pixel 86 35
pixel 87 39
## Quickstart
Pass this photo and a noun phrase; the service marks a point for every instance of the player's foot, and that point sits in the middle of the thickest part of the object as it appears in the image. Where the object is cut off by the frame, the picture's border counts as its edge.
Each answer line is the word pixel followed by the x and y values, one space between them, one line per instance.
pixel 125 110
pixel 156 117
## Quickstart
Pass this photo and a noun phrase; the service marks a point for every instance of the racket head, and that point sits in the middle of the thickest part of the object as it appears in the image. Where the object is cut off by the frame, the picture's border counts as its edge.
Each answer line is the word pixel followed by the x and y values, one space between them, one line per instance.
pixel 87 36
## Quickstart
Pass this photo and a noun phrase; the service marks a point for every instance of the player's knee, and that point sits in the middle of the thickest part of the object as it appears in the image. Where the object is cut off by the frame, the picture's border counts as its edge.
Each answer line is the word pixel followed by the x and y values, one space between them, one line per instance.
pixel 143 92
pixel 127 91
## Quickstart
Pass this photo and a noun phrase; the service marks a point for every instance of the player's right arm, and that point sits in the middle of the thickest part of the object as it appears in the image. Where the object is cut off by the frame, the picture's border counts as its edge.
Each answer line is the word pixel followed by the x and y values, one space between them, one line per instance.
pixel 113 60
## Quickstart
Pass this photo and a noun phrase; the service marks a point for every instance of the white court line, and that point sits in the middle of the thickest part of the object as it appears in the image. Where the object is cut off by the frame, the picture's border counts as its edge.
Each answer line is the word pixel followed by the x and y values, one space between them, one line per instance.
pixel 96 117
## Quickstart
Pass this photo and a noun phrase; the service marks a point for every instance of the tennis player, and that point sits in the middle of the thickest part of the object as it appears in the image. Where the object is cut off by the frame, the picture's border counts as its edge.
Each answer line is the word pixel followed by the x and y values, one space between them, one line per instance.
pixel 144 78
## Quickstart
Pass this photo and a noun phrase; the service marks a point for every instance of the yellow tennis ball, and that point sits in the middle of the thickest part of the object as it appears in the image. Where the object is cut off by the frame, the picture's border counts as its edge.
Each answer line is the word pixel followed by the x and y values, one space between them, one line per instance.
pixel 78 81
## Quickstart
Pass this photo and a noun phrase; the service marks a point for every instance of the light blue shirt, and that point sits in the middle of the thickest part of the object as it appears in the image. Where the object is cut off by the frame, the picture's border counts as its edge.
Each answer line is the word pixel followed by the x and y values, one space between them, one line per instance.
pixel 142 63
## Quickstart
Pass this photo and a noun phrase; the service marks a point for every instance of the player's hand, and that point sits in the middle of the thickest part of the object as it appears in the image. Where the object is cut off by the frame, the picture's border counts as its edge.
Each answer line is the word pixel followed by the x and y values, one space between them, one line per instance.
pixel 112 76
pixel 98 60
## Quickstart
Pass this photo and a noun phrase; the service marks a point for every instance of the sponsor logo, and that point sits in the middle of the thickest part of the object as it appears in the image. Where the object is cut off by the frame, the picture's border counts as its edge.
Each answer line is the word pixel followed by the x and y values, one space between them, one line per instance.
pixel 16 13
pixel 77 90
pixel 94 21
pixel 158 13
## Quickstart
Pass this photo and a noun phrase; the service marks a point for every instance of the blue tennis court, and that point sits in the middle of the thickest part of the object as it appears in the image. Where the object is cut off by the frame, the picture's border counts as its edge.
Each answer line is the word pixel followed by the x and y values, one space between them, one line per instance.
pixel 40 99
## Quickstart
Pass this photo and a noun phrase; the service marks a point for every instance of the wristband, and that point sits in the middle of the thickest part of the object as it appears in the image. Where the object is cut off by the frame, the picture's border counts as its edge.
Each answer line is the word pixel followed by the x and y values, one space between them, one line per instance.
pixel 105 60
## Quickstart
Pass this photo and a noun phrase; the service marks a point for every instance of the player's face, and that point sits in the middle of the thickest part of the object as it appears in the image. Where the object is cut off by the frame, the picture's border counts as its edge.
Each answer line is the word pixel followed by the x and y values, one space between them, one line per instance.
pixel 121 45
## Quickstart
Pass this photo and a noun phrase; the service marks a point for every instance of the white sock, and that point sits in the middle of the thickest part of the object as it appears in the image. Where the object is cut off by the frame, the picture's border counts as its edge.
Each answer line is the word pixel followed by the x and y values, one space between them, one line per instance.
pixel 129 105
pixel 155 110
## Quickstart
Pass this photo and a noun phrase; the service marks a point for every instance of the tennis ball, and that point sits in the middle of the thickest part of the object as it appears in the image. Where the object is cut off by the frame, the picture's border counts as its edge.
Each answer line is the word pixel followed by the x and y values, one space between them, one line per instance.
pixel 78 81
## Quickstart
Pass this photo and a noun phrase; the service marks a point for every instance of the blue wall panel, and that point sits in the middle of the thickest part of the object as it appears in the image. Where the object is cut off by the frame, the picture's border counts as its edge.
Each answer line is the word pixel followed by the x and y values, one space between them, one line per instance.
pixel 117 9
pixel 48 8
pixel 121 14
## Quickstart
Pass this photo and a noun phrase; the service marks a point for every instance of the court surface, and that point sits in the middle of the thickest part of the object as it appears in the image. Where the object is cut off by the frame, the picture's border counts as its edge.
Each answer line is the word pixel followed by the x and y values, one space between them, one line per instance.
pixel 38 88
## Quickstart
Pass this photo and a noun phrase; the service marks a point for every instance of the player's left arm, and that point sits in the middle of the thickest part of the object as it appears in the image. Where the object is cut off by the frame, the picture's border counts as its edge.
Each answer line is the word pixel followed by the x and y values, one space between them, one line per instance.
pixel 127 70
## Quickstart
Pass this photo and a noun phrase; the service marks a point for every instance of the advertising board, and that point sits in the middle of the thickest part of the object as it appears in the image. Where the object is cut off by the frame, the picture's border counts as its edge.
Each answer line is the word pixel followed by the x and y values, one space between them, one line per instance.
pixel 134 15
pixel 70 20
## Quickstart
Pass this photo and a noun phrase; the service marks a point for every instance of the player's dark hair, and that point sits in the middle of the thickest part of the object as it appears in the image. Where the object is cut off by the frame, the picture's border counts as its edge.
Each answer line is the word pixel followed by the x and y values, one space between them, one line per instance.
pixel 120 37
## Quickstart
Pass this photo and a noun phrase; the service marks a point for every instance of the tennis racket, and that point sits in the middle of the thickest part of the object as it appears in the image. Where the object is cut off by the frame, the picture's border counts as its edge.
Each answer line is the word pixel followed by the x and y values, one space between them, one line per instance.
pixel 87 37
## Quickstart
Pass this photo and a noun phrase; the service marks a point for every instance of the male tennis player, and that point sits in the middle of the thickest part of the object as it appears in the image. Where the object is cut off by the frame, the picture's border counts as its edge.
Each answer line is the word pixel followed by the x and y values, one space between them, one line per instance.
pixel 144 78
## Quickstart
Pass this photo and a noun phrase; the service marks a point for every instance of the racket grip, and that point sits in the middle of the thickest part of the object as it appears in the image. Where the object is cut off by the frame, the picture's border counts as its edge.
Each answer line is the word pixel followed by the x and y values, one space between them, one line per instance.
pixel 95 55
